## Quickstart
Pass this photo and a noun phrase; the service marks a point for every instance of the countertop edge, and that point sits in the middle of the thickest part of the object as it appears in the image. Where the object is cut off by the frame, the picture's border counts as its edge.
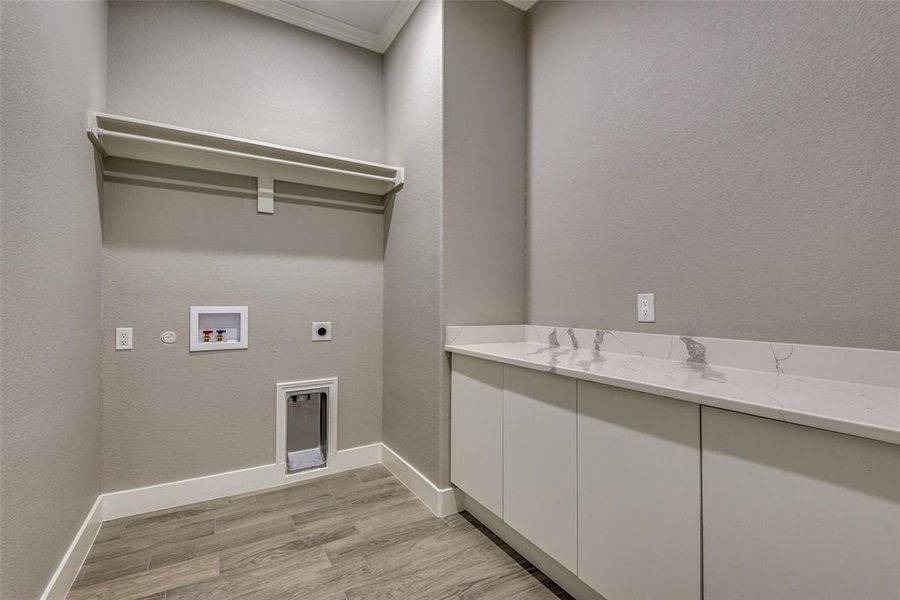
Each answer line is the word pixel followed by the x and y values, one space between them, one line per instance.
pixel 785 415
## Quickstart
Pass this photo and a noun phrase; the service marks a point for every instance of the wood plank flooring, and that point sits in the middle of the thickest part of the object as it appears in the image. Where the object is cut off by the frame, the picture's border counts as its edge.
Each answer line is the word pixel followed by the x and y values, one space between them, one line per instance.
pixel 358 535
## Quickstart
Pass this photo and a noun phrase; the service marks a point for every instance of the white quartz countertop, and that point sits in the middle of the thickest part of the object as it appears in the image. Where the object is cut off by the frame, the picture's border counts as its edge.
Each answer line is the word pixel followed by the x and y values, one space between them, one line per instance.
pixel 855 406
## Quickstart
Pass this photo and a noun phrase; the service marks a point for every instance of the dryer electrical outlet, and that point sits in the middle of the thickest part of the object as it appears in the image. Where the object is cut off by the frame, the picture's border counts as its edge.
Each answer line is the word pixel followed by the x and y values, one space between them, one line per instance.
pixel 321 331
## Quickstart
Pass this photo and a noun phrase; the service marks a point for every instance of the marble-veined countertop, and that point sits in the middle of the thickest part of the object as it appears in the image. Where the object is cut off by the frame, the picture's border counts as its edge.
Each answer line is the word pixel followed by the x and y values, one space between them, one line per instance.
pixel 863 402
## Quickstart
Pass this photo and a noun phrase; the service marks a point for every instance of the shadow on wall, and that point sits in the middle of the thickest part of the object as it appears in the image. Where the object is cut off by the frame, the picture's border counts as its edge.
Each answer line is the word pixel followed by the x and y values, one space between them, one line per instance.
pixel 179 209
pixel 388 216
pixel 850 466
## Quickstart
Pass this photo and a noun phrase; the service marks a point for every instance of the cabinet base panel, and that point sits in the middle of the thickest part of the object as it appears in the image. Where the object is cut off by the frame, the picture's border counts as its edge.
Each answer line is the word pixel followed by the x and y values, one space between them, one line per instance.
pixel 550 567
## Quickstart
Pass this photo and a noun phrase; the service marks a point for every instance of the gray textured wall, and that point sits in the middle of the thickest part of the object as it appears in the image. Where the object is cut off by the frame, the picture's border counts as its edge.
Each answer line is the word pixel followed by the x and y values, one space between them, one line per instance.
pixel 740 160
pixel 414 416
pixel 454 237
pixel 209 65
pixel 484 163
pixel 483 218
pixel 53 69
pixel 169 414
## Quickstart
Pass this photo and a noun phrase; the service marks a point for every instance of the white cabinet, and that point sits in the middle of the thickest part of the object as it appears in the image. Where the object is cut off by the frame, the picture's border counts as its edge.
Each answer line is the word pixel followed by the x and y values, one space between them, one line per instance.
pixel 539 464
pixel 638 494
pixel 476 430
pixel 794 513
pixel 607 482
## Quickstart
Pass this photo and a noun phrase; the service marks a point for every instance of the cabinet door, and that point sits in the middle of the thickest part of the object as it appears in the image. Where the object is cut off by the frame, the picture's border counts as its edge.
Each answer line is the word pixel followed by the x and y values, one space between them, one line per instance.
pixel 476 430
pixel 795 513
pixel 539 480
pixel 638 494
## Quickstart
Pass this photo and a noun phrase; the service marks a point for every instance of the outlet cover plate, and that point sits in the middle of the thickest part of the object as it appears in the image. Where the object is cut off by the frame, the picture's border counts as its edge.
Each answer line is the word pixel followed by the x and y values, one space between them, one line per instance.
pixel 646 308
pixel 124 338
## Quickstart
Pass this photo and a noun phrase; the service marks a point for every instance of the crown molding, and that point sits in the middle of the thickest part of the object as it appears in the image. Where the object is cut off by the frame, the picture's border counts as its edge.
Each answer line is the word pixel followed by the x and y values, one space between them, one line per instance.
pixel 307 19
pixel 522 4
pixel 402 12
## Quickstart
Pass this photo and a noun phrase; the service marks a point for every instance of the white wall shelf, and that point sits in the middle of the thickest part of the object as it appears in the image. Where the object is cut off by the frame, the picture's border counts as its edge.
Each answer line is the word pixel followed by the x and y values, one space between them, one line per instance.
pixel 126 137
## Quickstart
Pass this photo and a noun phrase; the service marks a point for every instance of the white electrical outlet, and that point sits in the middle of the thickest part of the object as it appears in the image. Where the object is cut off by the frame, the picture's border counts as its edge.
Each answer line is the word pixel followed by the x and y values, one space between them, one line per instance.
pixel 321 331
pixel 646 308
pixel 123 338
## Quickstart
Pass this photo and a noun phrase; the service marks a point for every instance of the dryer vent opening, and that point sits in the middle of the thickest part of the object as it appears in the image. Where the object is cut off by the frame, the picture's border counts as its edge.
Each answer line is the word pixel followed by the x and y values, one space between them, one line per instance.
pixel 307 430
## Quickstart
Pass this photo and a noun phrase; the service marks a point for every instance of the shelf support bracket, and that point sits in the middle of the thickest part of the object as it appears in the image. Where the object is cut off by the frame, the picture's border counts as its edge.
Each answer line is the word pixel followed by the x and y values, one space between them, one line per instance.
pixel 265 202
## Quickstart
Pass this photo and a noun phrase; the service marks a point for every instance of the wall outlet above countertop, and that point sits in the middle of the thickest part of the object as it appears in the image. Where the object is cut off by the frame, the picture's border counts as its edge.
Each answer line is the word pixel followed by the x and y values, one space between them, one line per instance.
pixel 646 306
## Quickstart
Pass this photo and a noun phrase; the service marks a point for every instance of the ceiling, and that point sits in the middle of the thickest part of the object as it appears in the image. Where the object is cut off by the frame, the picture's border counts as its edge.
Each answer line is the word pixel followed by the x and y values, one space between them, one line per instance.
pixel 368 15
pixel 372 24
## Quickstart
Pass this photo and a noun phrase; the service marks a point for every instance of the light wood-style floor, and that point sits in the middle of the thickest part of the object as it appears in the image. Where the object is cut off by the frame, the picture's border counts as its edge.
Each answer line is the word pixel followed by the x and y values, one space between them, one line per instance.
pixel 351 536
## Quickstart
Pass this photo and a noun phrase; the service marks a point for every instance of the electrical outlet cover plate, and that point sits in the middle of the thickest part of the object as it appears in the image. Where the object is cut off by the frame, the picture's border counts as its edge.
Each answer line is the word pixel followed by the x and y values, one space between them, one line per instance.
pixel 124 339
pixel 646 308
pixel 318 335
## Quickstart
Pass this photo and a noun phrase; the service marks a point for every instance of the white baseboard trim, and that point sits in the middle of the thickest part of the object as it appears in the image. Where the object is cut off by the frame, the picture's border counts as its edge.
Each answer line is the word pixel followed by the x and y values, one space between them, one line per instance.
pixel 442 502
pixel 68 568
pixel 127 503
pixel 543 561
